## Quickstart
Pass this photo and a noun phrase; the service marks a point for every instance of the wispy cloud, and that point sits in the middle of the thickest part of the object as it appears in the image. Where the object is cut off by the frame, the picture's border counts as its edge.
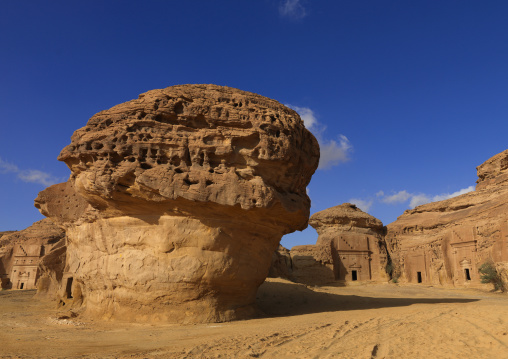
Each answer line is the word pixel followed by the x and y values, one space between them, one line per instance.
pixel 363 204
pixel 30 175
pixel 6 167
pixel 442 197
pixel 308 117
pixel 399 197
pixel 333 152
pixel 292 9
pixel 417 199
pixel 412 199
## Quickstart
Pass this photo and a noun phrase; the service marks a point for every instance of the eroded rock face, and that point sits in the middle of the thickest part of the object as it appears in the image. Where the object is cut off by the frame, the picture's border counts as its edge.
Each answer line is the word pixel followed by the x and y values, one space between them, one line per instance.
pixel 190 190
pixel 350 247
pixel 355 240
pixel 445 242
pixel 21 253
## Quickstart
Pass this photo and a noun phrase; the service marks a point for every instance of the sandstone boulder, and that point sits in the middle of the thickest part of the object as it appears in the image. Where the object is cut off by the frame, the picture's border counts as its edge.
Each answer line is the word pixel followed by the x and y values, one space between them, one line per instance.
pixel 190 190
pixel 444 243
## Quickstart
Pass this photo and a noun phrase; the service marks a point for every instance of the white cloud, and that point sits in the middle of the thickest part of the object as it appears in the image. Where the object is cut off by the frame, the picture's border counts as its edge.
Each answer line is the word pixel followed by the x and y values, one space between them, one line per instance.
pixel 417 199
pixel 442 197
pixel 399 197
pixel 36 176
pixel 292 9
pixel 31 176
pixel 420 199
pixel 333 153
pixel 363 204
pixel 308 117
pixel 6 167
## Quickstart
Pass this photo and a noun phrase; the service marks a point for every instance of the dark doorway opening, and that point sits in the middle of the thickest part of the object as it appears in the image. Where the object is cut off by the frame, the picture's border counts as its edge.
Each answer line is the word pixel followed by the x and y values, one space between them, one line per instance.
pixel 354 275
pixel 22 285
pixel 466 272
pixel 68 287
pixel 419 276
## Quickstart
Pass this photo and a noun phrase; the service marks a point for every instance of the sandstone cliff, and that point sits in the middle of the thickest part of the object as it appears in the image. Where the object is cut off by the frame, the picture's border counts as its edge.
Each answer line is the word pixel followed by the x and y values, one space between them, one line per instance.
pixel 178 200
pixel 445 242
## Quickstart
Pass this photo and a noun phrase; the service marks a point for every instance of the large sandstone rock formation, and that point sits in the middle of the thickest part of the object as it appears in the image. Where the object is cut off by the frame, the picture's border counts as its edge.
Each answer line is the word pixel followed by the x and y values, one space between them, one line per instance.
pixel 21 253
pixel 187 191
pixel 350 247
pixel 445 242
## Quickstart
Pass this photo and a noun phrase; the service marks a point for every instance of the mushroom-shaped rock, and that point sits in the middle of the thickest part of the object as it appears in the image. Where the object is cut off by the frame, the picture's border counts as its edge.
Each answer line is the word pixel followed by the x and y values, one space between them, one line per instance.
pixel 191 189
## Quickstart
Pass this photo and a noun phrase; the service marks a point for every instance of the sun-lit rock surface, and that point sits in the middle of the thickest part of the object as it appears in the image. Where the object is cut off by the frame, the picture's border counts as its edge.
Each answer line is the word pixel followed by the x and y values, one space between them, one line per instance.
pixel 350 247
pixel 190 190
pixel 21 253
pixel 445 242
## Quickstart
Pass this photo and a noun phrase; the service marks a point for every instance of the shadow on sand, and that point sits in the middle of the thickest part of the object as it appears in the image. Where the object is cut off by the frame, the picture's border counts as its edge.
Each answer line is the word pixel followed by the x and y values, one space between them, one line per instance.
pixel 280 299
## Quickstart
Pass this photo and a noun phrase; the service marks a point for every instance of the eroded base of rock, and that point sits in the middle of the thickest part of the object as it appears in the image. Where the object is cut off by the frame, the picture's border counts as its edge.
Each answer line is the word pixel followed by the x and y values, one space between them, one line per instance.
pixel 167 268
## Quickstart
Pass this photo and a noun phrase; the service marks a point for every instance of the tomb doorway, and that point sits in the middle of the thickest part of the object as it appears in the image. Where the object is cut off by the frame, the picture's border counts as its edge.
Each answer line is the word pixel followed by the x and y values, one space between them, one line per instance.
pixel 467 274
pixel 68 287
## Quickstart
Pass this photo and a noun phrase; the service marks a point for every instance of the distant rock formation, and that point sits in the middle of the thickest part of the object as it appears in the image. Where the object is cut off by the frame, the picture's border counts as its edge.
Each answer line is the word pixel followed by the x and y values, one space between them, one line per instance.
pixel 350 247
pixel 21 253
pixel 177 201
pixel 445 242
pixel 281 266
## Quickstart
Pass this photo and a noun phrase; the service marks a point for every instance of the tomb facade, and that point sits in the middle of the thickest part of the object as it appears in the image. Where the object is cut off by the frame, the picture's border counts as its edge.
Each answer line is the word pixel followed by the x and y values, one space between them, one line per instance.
pixel 350 248
pixel 445 242
pixel 25 268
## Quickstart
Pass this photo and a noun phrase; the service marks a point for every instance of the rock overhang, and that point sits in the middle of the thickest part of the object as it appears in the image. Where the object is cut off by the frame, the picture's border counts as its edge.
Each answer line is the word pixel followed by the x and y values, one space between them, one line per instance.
pixel 196 144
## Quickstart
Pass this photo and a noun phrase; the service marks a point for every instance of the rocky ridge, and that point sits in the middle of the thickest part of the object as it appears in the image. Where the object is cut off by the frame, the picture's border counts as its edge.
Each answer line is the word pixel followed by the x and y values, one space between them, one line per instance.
pixel 445 242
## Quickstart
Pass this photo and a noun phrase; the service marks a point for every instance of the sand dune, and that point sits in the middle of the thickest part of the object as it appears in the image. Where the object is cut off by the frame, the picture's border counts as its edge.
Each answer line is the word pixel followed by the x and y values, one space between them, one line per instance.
pixel 364 321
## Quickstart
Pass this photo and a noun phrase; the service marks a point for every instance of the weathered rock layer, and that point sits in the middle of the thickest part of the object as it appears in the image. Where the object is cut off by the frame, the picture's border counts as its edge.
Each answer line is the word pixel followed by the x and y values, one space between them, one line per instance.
pixel 184 195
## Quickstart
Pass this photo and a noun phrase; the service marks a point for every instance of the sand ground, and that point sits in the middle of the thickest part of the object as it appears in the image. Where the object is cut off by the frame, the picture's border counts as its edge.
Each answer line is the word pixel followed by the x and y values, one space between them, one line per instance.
pixel 363 321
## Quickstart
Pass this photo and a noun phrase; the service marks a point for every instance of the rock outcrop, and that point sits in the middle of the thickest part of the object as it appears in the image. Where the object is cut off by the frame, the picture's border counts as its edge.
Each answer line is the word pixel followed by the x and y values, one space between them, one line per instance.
pixel 445 242
pixel 281 266
pixel 21 253
pixel 350 247
pixel 181 197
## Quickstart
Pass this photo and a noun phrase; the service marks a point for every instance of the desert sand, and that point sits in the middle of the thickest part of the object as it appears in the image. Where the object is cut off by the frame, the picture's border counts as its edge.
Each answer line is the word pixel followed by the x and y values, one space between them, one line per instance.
pixel 358 321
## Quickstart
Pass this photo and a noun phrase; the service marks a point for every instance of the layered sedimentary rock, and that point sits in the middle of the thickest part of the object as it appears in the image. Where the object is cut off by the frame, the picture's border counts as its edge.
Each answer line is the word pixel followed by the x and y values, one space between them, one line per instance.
pixel 21 253
pixel 190 189
pixel 445 242
pixel 350 247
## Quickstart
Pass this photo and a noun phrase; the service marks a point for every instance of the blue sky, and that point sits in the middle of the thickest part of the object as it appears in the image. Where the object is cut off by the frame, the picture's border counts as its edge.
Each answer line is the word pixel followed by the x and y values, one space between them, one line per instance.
pixel 405 97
